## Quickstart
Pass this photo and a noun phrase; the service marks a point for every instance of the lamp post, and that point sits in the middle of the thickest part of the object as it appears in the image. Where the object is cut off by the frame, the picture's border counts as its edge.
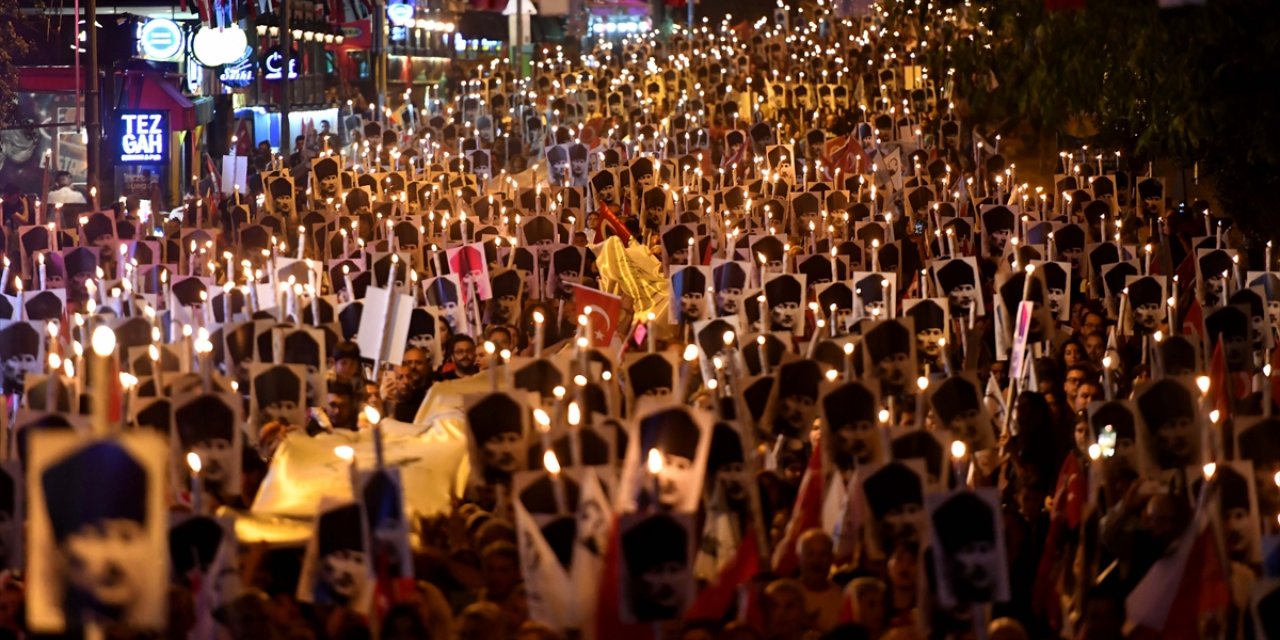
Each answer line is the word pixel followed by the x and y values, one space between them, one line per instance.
pixel 286 51
pixel 92 106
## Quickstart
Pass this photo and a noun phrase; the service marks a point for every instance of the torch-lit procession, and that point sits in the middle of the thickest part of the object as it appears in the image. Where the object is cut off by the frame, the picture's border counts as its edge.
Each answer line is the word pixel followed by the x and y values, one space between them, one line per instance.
pixel 834 321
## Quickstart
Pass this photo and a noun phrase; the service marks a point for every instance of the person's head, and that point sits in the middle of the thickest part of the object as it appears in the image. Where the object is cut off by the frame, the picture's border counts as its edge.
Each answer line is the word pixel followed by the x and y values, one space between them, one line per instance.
pixel 816 552
pixel 1077 375
pixel 462 351
pixel 1072 352
pixel 62 179
pixel 1095 347
pixel 1093 323
pixel 480 621
pixel 1086 392
pixel 342 406
pixel 346 361
pixel 500 563
pixel 501 337
pixel 868 600
pixel 784 608
pixel 415 367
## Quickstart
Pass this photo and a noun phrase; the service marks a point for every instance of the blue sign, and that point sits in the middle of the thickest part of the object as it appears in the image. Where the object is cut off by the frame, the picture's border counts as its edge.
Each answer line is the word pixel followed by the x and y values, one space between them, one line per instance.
pixel 274 61
pixel 239 74
pixel 400 15
pixel 160 39
pixel 142 137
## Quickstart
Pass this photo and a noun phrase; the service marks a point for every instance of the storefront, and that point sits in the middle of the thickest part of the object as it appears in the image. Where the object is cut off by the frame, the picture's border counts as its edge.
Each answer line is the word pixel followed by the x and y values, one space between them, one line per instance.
pixel 154 136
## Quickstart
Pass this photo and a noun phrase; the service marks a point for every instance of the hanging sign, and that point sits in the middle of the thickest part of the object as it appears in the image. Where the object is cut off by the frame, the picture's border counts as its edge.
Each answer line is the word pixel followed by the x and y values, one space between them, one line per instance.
pixel 142 137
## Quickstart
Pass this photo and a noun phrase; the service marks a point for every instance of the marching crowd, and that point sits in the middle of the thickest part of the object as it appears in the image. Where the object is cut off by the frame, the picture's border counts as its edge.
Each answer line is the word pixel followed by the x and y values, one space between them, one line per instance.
pixel 744 331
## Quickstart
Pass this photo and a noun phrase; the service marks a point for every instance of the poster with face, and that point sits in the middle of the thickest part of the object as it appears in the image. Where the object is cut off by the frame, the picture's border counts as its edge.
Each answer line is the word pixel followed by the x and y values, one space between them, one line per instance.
pixel 1113 425
pixel 305 346
pixel 44 305
pixel 443 295
pixel 932 325
pixel 98 548
pixel 957 279
pixel 277 394
pixel 467 262
pixel 690 299
pixel 12 514
pixel 1253 300
pixel 280 196
pixel 893 493
pixel 336 569
pixel 1057 282
pixel 837 303
pixel 498 424
pixel 1237 507
pixel 998 224
pixel 967 545
pixel 889 348
pixel 651 375
pixel 1231 324
pixel 1214 269
pixel 957 405
pixel 728 482
pixel 784 296
pixel 570 265
pixel 507 286
pixel 1168 426
pixel 666 458
pixel 729 278
pixel 1269 282
pixel 657 575
pixel 1010 288
pixel 381 496
pixel 875 295
pixel 852 434
pixel 794 403
pixel 1257 444
pixel 209 426
pixel 21 352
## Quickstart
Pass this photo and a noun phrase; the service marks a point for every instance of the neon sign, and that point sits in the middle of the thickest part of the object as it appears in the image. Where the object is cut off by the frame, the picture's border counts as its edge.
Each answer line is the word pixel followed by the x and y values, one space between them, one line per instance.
pixel 143 137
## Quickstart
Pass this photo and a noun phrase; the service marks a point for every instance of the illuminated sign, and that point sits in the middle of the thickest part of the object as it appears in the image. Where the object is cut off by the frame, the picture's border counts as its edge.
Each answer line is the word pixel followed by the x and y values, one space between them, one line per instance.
pixel 272 64
pixel 160 39
pixel 400 15
pixel 216 47
pixel 238 75
pixel 143 137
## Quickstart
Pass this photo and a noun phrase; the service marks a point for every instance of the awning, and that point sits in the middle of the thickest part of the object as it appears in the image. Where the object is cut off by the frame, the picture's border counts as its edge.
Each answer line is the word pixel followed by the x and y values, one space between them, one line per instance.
pixel 152 91
pixel 47 79
pixel 547 28
pixel 482 25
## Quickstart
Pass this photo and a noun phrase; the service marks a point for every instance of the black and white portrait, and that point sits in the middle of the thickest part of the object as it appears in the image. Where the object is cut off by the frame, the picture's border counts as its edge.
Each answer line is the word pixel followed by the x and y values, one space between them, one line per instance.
pixel 852 432
pixel 957 279
pixel 784 299
pixel 957 405
pixel 894 496
pixel 679 438
pixel 1170 424
pixel 498 424
pixel 209 426
pixel 889 348
pixel 99 548
pixel 967 545
pixel 690 297
pixel 657 567
pixel 336 570
pixel 278 394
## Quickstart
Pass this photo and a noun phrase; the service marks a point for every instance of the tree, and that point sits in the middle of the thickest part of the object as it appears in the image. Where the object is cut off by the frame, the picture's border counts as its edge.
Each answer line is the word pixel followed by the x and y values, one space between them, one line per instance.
pixel 16 45
pixel 1192 84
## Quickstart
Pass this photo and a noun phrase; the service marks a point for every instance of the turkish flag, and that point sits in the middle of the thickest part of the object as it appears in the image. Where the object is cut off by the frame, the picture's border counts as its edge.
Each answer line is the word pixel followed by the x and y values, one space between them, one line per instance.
pixel 604 308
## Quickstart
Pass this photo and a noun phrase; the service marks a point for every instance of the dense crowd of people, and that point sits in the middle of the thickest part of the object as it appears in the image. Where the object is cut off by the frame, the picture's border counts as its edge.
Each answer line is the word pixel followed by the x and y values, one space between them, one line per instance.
pixel 736 333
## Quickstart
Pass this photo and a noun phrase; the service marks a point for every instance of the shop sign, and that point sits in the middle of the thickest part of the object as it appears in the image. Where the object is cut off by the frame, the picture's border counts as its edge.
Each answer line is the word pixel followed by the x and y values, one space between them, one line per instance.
pixel 143 137
pixel 160 39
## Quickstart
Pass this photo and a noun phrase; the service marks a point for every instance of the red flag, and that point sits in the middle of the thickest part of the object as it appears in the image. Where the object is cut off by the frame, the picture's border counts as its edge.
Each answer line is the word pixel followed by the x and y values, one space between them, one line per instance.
pixel 1193 320
pixel 605 310
pixel 1068 512
pixel 805 515
pixel 1193 582
pixel 1274 379
pixel 714 601
pixel 1219 383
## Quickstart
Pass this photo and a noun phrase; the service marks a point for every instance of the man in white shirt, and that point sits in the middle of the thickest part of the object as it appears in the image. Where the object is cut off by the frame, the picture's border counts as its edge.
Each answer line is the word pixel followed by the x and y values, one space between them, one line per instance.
pixel 63 193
